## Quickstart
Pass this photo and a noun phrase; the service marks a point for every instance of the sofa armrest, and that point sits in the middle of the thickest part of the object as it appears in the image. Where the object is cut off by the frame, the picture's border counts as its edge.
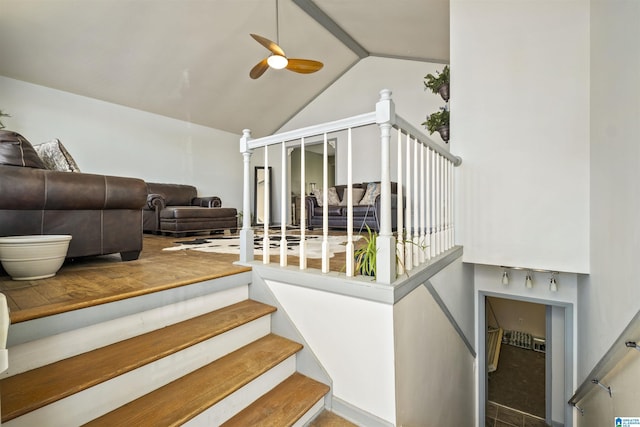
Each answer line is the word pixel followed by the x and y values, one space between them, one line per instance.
pixel 155 202
pixel 28 189
pixel 310 204
pixel 207 202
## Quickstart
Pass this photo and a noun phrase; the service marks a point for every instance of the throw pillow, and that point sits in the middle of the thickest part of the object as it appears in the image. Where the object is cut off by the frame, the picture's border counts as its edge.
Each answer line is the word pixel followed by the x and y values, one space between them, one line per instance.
pixel 332 196
pixel 15 150
pixel 373 191
pixel 356 195
pixel 56 157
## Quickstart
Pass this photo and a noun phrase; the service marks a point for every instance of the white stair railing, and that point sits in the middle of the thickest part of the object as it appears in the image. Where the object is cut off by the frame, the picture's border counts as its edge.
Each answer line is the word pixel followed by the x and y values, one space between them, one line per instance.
pixel 424 199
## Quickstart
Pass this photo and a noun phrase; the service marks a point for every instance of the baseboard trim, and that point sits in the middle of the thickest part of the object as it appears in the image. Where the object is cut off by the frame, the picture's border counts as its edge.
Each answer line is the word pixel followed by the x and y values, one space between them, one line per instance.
pixel 357 415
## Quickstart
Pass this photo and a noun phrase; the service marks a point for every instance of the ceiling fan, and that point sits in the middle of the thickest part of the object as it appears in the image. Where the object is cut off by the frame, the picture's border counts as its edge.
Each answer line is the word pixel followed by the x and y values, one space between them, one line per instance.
pixel 278 60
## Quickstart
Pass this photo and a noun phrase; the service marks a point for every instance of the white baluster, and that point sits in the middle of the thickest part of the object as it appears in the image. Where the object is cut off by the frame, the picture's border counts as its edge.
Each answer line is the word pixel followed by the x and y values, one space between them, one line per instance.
pixel 408 259
pixel 266 242
pixel 434 217
pixel 303 213
pixel 283 206
pixel 325 207
pixel 416 205
pixel 246 233
pixel 349 248
pixel 399 210
pixel 429 218
pixel 423 205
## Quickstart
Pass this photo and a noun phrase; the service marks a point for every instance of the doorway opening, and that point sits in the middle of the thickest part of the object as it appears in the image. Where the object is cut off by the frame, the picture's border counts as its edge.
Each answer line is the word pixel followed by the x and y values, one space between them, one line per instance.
pixel 536 353
pixel 516 359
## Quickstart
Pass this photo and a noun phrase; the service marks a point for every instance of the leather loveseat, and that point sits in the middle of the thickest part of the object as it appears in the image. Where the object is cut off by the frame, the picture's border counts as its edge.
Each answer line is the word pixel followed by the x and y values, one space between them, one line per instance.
pixel 176 209
pixel 103 214
pixel 364 213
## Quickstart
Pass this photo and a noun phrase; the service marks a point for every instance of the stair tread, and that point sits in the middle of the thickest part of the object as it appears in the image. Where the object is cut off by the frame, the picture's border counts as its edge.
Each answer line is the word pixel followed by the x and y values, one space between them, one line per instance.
pixel 283 405
pixel 27 391
pixel 181 400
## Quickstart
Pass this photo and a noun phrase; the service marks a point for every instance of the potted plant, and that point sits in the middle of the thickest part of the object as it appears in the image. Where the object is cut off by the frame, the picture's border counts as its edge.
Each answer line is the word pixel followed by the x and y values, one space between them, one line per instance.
pixel 365 256
pixel 438 83
pixel 3 114
pixel 438 121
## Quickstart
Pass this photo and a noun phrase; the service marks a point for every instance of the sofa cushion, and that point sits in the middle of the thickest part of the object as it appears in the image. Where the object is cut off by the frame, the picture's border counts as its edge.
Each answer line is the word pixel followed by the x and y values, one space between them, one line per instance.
pixel 373 191
pixel 15 150
pixel 332 196
pixel 356 195
pixel 185 212
pixel 56 157
pixel 332 211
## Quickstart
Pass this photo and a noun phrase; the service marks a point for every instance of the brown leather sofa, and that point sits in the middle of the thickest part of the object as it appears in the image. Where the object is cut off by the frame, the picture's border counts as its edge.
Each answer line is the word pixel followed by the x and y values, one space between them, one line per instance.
pixel 103 214
pixel 363 215
pixel 176 209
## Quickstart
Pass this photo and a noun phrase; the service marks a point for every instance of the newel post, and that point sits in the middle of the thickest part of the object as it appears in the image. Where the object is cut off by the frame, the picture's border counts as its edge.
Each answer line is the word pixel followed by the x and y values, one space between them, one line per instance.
pixel 246 233
pixel 386 243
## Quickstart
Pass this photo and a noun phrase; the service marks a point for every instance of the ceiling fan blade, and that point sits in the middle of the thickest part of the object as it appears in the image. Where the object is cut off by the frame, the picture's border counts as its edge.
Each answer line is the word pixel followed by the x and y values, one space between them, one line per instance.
pixel 273 47
pixel 304 66
pixel 259 69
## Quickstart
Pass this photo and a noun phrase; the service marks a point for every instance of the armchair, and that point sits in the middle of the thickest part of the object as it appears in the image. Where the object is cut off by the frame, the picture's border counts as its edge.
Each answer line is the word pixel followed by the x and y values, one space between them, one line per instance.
pixel 176 209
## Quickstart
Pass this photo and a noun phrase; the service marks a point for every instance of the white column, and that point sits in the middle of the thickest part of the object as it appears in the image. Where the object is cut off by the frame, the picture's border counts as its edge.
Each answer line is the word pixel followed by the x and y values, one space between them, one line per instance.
pixel 386 244
pixel 283 206
pixel 246 233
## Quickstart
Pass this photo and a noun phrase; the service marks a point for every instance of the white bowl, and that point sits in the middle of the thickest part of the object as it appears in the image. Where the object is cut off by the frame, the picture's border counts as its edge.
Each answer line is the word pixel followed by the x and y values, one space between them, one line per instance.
pixel 33 257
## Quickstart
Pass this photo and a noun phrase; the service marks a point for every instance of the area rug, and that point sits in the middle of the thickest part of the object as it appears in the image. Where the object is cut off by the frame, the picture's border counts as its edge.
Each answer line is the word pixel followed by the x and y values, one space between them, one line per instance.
pixel 231 245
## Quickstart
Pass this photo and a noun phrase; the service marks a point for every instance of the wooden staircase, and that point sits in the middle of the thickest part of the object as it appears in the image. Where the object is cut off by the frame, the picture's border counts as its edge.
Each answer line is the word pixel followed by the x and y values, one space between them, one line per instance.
pixel 220 368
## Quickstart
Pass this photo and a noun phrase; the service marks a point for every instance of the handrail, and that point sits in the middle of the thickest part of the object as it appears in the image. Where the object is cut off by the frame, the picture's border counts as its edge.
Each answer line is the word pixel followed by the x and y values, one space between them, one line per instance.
pixel 406 127
pixel 314 130
pixel 628 339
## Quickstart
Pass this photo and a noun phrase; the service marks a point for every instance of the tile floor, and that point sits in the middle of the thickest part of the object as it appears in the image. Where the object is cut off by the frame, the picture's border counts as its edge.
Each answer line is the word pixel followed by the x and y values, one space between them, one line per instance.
pixel 501 416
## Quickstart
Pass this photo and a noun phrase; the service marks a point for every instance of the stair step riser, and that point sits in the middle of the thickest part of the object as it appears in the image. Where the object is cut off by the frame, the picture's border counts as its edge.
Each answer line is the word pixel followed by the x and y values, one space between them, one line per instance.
pixel 31 355
pixel 310 414
pixel 102 398
pixel 241 398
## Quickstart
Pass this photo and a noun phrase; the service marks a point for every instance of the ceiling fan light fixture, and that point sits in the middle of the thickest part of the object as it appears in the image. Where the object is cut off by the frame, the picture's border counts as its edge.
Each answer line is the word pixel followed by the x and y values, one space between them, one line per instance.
pixel 277 62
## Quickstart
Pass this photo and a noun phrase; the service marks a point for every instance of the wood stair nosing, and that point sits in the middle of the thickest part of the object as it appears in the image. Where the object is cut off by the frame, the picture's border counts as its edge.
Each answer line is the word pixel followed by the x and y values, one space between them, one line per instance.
pixel 27 391
pixel 183 399
pixel 283 405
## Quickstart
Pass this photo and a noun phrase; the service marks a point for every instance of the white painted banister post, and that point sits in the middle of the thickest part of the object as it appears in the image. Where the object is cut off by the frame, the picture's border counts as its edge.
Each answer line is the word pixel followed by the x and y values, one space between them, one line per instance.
pixel 246 233
pixel 303 212
pixel 386 243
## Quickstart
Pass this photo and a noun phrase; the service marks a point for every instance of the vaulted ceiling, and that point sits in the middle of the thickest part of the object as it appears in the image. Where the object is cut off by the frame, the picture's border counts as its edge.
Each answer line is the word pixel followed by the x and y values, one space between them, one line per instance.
pixel 190 59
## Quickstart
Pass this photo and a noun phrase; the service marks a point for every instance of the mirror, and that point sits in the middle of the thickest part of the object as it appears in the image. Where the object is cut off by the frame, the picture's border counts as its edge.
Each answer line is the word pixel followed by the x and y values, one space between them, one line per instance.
pixel 259 181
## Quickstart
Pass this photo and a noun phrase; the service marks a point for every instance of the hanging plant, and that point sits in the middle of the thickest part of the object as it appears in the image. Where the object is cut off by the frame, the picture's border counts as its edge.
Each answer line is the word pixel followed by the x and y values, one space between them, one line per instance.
pixel 3 114
pixel 438 122
pixel 438 83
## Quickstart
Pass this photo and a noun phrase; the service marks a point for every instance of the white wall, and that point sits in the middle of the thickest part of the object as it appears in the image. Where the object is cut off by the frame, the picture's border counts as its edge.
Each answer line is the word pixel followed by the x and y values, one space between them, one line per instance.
pixel 352 338
pixel 111 139
pixel 519 120
pixel 434 368
pixel 609 296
